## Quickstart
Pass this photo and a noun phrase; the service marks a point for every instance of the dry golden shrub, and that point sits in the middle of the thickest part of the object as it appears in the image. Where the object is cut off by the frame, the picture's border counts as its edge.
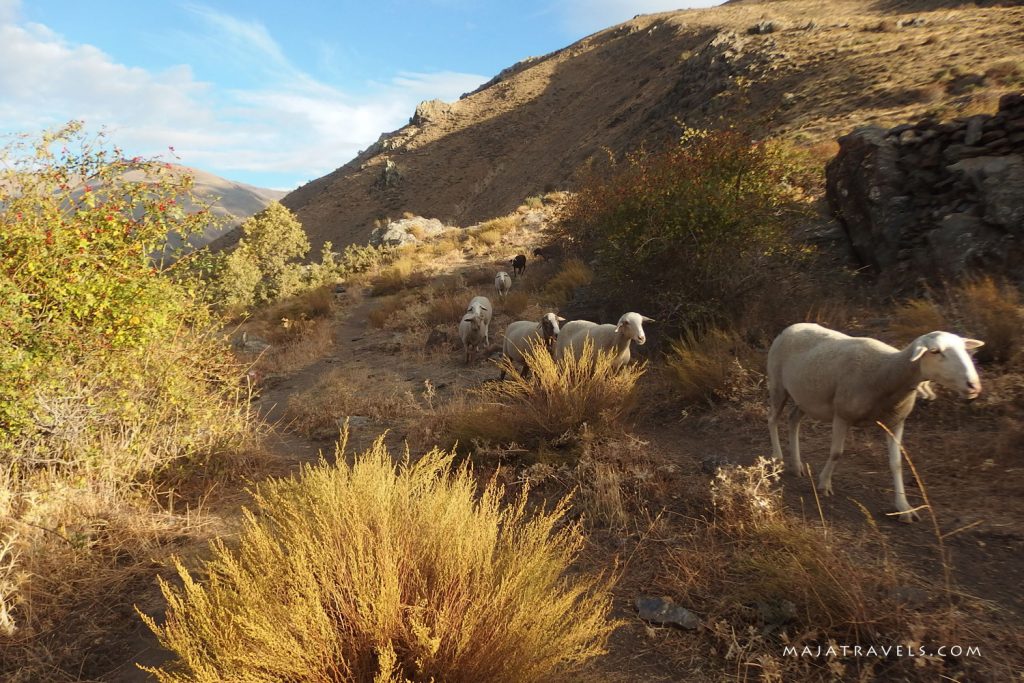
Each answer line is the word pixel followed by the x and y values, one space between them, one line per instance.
pixel 372 573
pixel 446 309
pixel 556 401
pixel 401 274
pixel 710 367
pixel 380 315
pixel 992 311
pixel 916 317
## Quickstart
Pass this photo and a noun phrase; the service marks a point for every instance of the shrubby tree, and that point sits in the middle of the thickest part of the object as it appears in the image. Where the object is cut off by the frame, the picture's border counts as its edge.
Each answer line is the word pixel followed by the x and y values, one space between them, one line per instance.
pixel 692 231
pixel 262 267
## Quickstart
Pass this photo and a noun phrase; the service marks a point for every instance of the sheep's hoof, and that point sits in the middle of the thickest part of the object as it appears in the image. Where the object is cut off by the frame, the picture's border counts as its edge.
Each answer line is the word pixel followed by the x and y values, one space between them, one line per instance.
pixel 796 470
pixel 826 487
pixel 909 516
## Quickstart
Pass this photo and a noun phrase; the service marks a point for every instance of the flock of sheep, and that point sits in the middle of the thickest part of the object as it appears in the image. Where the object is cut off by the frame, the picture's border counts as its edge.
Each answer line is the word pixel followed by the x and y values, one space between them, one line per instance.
pixel 822 373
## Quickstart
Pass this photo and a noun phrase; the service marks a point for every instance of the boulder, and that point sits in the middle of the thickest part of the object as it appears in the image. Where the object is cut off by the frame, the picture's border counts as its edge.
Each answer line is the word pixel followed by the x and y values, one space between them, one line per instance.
pixel 406 231
pixel 865 190
pixel 999 182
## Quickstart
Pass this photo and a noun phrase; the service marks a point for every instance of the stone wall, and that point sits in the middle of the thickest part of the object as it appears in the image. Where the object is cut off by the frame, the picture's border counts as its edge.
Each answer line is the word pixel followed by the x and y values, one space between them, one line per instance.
pixel 935 200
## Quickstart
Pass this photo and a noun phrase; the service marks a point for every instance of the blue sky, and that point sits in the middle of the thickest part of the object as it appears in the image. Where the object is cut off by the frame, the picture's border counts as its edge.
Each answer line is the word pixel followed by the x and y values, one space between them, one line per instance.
pixel 268 93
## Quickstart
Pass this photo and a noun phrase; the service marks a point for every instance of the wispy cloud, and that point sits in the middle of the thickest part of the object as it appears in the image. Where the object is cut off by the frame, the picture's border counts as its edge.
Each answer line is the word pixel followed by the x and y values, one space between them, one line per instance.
pixel 287 123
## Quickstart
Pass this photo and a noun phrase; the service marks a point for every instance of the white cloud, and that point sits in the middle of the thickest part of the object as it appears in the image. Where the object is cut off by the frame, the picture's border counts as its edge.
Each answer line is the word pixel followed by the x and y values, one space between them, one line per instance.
pixel 290 124
pixel 583 17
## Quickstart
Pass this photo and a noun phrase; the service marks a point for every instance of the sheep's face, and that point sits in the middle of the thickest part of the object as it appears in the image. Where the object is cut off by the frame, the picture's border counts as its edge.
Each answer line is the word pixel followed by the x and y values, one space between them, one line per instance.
pixel 549 328
pixel 632 325
pixel 946 358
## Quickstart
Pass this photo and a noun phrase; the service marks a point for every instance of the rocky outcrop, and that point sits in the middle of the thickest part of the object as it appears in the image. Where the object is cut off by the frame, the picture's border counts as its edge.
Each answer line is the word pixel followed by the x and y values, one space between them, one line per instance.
pixel 934 199
pixel 406 231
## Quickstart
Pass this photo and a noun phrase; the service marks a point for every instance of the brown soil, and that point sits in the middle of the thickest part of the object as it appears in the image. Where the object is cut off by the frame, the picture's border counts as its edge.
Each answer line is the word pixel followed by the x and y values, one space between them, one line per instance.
pixel 827 68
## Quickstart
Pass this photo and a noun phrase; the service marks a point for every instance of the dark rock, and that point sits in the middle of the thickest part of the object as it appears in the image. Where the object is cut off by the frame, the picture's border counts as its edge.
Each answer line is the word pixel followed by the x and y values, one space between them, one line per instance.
pixel 1011 101
pixel 763 28
pixel 999 181
pixel 959 244
pixel 864 189
pixel 974 128
pixel 665 612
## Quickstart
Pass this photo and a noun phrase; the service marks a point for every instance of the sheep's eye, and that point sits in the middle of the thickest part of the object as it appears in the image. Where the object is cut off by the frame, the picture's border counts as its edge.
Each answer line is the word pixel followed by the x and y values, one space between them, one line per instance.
pixel 936 351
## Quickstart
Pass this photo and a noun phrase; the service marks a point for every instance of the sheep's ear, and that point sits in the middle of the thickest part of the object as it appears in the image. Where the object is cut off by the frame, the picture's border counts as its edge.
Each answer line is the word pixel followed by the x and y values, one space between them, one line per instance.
pixel 560 319
pixel 920 349
pixel 972 345
pixel 648 320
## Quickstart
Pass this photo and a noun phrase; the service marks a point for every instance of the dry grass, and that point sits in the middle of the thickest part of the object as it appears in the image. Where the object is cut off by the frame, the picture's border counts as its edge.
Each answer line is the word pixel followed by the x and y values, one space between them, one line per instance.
pixel 515 303
pixel 372 573
pixel 320 411
pixel 316 337
pixel 916 317
pixel 984 308
pixel 710 367
pixel 1006 72
pixel 993 311
pixel 552 405
pixel 379 316
pixel 763 579
pixel 446 309
pixel 401 274
pixel 560 288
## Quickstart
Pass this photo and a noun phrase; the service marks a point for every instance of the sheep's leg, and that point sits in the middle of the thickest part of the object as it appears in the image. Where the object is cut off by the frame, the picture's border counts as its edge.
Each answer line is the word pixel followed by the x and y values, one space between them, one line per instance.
pixel 776 403
pixel 839 429
pixel 795 417
pixel 896 466
pixel 526 371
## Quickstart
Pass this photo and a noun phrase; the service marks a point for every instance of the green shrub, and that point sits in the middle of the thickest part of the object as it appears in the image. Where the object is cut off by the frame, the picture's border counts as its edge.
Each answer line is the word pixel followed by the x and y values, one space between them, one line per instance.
pixel 260 269
pixel 83 306
pixel 115 384
pixel 694 230
pixel 365 573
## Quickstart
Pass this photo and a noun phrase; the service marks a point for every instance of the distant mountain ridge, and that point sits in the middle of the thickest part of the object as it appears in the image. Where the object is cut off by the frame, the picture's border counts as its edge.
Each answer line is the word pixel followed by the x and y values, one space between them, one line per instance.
pixel 230 201
pixel 805 69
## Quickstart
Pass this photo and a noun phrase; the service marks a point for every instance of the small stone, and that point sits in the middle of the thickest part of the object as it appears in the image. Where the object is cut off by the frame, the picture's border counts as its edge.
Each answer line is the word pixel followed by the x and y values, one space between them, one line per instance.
pixel 665 612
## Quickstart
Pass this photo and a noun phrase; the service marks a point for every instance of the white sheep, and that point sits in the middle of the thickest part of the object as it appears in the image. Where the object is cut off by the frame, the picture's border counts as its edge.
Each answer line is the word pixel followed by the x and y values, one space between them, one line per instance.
pixel 857 380
pixel 502 283
pixel 481 305
pixel 471 331
pixel 521 333
pixel 607 338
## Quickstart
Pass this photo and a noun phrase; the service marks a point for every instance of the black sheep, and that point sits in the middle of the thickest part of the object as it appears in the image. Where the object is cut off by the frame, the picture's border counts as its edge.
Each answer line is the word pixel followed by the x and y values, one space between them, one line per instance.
pixel 518 265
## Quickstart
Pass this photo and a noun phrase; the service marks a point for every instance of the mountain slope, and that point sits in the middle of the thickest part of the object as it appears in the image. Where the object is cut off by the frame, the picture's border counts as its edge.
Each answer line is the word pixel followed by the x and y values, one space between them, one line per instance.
pixel 806 69
pixel 230 201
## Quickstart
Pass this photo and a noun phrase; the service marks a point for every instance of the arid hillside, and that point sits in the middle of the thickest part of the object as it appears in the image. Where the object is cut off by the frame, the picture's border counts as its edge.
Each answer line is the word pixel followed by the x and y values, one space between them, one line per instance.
pixel 806 69
pixel 231 202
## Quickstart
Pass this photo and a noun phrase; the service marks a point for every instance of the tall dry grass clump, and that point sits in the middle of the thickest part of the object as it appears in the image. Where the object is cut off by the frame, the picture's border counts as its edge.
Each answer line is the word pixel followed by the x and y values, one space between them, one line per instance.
pixel 557 400
pixel 995 312
pixel 986 308
pixel 372 573
pixel 563 284
pixel 709 367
